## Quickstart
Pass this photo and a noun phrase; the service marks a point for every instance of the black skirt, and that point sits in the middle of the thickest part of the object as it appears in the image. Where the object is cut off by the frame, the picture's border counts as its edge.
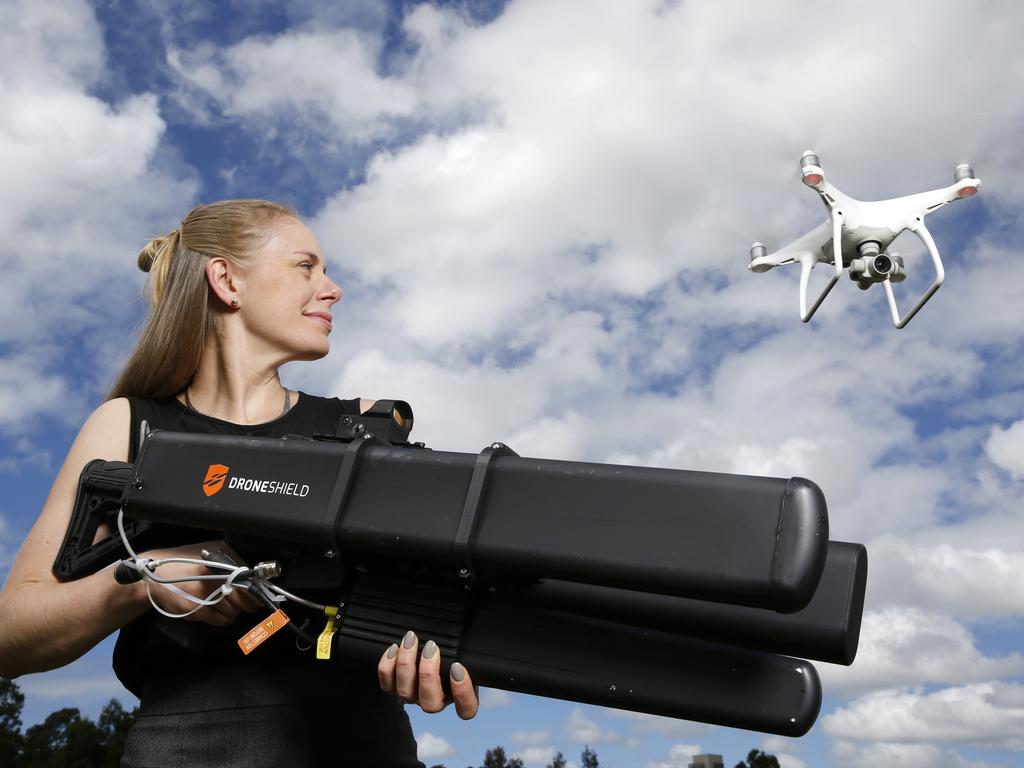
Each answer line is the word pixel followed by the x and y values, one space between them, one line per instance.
pixel 250 715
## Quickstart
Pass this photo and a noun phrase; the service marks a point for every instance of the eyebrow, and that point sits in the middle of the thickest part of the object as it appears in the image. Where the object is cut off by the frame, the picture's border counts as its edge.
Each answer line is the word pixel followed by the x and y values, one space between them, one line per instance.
pixel 312 256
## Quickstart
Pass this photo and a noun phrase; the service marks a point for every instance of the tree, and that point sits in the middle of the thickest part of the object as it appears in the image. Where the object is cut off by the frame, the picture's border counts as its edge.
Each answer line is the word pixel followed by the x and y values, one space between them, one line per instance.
pixel 63 740
pixel 758 759
pixel 114 724
pixel 495 758
pixel 12 700
pixel 588 758
pixel 558 762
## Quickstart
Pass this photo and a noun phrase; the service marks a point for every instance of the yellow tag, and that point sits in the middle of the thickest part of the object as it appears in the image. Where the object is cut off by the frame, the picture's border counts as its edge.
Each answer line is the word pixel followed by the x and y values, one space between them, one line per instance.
pixel 323 643
pixel 262 631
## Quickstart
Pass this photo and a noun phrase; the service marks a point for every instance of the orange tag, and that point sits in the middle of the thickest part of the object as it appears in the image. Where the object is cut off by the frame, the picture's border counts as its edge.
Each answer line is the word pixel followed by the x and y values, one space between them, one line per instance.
pixel 262 631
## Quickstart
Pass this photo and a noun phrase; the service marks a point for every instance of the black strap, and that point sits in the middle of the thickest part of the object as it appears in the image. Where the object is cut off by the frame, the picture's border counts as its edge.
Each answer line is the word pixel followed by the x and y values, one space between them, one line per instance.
pixel 474 499
pixel 344 482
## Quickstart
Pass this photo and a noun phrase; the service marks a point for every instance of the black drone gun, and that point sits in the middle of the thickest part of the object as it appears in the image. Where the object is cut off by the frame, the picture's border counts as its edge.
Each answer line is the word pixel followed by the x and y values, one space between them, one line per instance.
pixel 670 592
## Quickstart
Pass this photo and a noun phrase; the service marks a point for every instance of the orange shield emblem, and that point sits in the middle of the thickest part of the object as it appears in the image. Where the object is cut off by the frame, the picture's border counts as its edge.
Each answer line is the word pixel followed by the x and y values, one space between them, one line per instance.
pixel 215 477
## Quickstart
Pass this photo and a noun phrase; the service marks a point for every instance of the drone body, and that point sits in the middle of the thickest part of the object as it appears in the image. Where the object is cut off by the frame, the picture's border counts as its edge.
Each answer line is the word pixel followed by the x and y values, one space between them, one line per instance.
pixel 860 232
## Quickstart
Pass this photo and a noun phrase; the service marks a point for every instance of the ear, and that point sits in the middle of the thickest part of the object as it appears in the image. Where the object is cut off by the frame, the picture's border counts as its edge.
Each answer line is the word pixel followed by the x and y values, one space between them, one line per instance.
pixel 223 280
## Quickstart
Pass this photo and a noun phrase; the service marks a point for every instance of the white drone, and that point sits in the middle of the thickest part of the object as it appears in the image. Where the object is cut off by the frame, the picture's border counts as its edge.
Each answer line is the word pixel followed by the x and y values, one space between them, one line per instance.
pixel 860 232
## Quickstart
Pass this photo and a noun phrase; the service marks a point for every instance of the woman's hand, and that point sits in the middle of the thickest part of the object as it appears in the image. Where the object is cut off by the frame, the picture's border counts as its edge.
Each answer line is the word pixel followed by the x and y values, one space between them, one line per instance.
pixel 221 614
pixel 398 674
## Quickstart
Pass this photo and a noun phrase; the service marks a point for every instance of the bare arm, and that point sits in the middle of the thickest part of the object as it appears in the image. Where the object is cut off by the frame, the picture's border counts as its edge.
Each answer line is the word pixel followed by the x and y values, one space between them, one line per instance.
pixel 48 623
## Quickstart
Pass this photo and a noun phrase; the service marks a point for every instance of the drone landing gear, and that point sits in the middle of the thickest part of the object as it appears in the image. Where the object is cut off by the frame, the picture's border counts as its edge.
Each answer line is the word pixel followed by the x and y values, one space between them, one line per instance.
pixel 919 229
pixel 808 260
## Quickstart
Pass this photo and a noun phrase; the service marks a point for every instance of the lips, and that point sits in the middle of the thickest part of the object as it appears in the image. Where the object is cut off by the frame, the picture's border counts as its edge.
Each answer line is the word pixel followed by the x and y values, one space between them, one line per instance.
pixel 322 317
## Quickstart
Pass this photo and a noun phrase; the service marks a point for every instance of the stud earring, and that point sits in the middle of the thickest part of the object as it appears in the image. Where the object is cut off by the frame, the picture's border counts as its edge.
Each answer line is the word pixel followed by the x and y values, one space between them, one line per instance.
pixel 234 302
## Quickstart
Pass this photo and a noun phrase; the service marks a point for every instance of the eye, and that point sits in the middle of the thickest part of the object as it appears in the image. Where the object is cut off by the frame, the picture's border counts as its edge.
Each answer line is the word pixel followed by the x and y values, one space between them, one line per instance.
pixel 307 265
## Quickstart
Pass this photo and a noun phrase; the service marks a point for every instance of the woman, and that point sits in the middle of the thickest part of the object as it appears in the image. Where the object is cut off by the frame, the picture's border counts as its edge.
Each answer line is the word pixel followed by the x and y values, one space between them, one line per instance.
pixel 239 289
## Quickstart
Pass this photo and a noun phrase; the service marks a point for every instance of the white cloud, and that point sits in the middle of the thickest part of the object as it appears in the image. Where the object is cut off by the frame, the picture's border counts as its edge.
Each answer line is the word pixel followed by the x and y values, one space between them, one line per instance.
pixel 26 390
pixel 1005 447
pixel 582 730
pixel 431 747
pixel 495 698
pixel 340 96
pixel 529 738
pixel 50 42
pixel 664 726
pixel 780 744
pixel 679 756
pixel 967 582
pixel 25 455
pixel 982 714
pixel 536 755
pixel 851 755
pixel 84 185
pixel 585 163
pixel 904 646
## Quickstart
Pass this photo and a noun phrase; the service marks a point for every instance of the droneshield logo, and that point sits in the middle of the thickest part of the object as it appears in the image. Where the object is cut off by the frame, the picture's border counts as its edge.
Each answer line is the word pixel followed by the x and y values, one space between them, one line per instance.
pixel 217 474
pixel 215 477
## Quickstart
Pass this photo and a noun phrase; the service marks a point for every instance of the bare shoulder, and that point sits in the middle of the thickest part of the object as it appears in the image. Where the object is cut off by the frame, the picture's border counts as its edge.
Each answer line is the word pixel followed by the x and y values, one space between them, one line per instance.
pixel 103 436
pixel 107 426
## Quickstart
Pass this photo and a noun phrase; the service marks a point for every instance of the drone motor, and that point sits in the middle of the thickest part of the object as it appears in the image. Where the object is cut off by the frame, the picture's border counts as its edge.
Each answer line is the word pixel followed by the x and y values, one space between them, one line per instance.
pixel 810 169
pixel 757 250
pixel 964 172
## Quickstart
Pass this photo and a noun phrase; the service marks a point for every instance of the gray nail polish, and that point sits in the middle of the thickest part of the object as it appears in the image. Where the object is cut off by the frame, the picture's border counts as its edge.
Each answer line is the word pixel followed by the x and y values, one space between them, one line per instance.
pixel 429 649
pixel 458 672
pixel 409 640
pixel 393 650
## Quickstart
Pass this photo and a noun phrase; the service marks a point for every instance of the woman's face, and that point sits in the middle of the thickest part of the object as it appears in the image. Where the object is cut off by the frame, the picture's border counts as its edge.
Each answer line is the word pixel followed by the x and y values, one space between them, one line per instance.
pixel 286 299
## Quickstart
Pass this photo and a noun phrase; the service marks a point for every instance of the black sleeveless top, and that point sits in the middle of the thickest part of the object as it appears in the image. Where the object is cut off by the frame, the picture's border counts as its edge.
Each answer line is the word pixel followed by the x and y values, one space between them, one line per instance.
pixel 154 640
pixel 181 669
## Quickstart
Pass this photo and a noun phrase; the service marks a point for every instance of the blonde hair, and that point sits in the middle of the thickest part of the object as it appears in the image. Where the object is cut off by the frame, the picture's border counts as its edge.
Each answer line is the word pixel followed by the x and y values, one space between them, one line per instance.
pixel 182 305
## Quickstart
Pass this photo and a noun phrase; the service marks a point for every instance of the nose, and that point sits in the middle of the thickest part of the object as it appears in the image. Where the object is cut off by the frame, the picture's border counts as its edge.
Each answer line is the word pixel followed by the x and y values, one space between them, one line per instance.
pixel 331 291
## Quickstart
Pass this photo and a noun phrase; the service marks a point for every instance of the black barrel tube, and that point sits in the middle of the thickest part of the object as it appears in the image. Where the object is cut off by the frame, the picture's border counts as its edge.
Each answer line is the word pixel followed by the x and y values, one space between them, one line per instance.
pixel 519 647
pixel 828 629
pixel 754 541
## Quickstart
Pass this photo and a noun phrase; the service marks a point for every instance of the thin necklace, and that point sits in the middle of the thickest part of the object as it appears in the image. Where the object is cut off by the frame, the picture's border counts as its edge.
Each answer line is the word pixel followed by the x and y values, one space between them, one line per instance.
pixel 188 402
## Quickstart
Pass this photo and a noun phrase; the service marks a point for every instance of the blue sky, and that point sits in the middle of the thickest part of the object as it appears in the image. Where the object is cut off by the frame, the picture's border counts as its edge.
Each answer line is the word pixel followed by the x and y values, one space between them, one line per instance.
pixel 540 213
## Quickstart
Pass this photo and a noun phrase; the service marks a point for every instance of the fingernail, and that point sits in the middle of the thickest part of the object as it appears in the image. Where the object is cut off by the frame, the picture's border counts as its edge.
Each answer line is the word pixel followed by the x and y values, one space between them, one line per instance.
pixel 392 651
pixel 409 640
pixel 458 672
pixel 429 649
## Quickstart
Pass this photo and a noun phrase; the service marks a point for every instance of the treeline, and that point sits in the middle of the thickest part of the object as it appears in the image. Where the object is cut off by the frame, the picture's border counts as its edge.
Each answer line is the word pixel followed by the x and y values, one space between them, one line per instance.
pixel 64 739
pixel 496 758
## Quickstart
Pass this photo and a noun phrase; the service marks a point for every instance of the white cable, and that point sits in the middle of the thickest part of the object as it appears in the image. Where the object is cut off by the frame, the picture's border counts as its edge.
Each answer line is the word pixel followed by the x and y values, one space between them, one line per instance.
pixel 285 593
pixel 144 566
